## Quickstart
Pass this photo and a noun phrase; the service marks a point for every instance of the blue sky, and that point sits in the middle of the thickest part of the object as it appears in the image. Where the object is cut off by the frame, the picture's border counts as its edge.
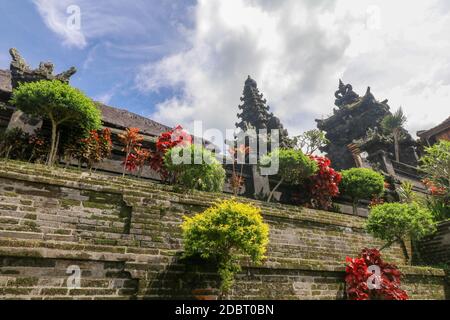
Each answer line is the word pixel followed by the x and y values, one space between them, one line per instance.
pixel 177 61
pixel 107 65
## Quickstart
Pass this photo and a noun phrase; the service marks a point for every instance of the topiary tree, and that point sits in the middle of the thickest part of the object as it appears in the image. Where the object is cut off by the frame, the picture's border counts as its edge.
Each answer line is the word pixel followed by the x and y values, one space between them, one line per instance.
pixel 222 232
pixel 293 166
pixel 361 183
pixel 394 222
pixel 195 167
pixel 61 104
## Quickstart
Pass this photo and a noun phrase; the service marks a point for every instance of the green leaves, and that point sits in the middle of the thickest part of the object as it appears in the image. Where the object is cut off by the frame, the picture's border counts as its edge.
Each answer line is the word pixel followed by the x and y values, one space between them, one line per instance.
pixel 294 165
pixel 198 168
pixel 59 101
pixel 395 221
pixel 361 183
pixel 393 122
pixel 222 232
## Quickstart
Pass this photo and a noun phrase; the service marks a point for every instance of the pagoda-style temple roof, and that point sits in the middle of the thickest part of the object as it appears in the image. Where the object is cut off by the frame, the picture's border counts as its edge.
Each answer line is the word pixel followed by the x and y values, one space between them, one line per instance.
pixel 429 134
pixel 122 119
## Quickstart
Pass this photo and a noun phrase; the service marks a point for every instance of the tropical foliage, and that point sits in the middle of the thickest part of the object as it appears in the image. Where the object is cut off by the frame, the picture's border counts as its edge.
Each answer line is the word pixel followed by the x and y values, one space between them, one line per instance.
pixel 224 231
pixel 293 166
pixel 324 184
pixel 436 165
pixel 61 104
pixel 397 222
pixel 361 183
pixel 393 124
pixel 363 284
pixel 195 167
pixel 166 141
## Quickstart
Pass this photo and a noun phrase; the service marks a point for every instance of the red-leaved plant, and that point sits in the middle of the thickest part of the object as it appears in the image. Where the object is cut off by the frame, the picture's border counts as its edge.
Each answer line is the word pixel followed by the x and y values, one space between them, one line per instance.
pixel 131 140
pixel 166 141
pixel 324 185
pixel 358 276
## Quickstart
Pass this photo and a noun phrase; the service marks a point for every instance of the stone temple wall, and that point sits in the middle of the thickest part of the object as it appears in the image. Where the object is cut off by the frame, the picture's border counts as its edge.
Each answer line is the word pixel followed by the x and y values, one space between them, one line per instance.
pixel 124 235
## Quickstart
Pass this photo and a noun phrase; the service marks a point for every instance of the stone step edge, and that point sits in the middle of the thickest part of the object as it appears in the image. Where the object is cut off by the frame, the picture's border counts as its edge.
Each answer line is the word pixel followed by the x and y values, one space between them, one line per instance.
pixel 151 259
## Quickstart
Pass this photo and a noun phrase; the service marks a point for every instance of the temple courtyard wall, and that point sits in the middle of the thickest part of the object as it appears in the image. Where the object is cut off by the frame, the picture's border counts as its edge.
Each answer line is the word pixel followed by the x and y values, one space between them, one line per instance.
pixel 124 236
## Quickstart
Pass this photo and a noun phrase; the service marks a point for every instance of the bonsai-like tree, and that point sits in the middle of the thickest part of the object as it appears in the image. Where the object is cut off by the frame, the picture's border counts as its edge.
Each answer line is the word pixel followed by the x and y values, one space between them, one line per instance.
pixel 396 222
pixel 61 104
pixel 293 166
pixel 361 183
pixel 393 124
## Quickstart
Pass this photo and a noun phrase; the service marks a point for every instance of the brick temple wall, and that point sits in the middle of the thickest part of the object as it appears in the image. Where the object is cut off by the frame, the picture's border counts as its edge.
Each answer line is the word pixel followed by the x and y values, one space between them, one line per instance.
pixel 436 248
pixel 124 236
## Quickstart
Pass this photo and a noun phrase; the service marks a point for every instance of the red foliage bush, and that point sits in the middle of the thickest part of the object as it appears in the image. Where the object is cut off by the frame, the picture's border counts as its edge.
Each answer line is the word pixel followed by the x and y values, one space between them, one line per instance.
pixel 358 274
pixel 166 141
pixel 324 185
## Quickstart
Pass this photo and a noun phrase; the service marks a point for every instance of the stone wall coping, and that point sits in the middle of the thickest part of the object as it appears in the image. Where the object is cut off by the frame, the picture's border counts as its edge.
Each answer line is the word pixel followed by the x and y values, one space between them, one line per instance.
pixel 58 250
pixel 133 188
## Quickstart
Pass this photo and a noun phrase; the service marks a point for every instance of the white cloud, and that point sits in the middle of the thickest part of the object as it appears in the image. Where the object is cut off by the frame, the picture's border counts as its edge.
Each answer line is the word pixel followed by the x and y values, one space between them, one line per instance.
pixel 297 50
pixel 113 21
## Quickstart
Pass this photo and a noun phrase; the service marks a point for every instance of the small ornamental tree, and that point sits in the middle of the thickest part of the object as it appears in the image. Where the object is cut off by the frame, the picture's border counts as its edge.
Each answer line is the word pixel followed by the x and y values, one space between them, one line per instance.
pixel 166 141
pixel 61 104
pixel 131 140
pixel 361 183
pixel 370 278
pixel 395 222
pixel 95 148
pixel 223 232
pixel 195 167
pixel 293 166
pixel 324 184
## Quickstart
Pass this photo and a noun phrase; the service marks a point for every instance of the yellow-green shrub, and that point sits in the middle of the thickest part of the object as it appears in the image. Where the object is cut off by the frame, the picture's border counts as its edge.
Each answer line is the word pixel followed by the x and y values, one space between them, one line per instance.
pixel 224 231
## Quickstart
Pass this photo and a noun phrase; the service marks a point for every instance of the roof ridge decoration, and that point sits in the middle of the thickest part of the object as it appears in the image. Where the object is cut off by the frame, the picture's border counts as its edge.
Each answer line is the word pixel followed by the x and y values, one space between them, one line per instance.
pixel 22 72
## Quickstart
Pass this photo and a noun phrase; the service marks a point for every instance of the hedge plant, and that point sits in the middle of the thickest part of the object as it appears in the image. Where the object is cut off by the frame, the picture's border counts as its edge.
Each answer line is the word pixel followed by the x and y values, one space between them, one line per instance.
pixel 361 183
pixel 199 169
pixel 223 232
pixel 395 222
pixel 293 166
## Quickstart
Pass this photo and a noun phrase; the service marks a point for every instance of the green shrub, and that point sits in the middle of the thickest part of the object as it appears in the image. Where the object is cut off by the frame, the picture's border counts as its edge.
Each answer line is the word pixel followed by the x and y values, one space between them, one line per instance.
pixel 199 169
pixel 436 165
pixel 222 232
pixel 394 222
pixel 293 166
pixel 361 183
pixel 61 104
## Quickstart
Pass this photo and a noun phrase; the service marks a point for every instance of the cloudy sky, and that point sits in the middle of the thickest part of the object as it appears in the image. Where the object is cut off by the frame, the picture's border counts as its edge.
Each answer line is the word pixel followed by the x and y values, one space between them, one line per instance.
pixel 179 61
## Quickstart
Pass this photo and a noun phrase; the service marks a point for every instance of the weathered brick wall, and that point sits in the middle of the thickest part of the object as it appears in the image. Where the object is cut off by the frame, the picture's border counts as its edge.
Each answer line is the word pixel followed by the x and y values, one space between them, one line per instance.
pixel 435 249
pixel 124 235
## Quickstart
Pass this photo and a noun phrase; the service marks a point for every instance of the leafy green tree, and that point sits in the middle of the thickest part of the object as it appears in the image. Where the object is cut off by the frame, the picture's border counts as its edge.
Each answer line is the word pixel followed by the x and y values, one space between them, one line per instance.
pixel 393 124
pixel 61 104
pixel 361 183
pixel 311 141
pixel 293 166
pixel 222 232
pixel 396 222
pixel 195 167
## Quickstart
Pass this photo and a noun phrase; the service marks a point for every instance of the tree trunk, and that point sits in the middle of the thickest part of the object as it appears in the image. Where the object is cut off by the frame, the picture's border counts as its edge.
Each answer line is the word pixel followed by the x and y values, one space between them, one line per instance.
pixel 396 145
pixel 50 159
pixel 405 250
pixel 274 189
pixel 355 207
